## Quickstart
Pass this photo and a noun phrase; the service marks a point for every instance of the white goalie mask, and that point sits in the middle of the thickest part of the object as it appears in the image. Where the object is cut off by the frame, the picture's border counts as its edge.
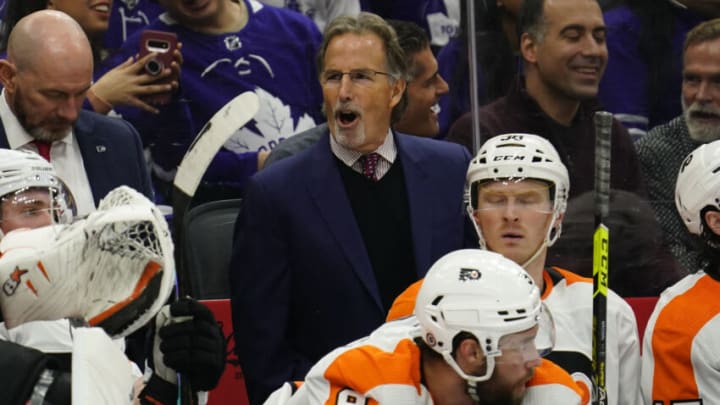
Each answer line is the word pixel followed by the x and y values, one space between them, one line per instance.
pixel 114 268
pixel 484 294
pixel 698 185
pixel 514 158
pixel 31 194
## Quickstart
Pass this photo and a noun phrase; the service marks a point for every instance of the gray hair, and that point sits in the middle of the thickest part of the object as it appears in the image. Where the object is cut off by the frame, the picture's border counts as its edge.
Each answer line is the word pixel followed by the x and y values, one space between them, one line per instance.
pixel 368 23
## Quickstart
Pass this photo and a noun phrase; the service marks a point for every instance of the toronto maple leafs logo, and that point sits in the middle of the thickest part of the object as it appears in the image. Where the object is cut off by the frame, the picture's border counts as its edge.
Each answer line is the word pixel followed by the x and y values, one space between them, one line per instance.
pixel 273 122
pixel 12 283
pixel 232 42
pixel 130 4
pixel 469 274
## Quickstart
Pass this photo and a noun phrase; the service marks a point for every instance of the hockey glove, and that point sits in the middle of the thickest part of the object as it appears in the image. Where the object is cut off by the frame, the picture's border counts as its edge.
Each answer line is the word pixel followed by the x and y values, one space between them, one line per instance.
pixel 192 343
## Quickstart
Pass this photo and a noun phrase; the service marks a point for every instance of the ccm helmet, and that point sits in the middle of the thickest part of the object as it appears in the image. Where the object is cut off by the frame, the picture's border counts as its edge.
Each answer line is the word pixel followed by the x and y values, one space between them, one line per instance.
pixel 516 157
pixel 484 294
pixel 698 185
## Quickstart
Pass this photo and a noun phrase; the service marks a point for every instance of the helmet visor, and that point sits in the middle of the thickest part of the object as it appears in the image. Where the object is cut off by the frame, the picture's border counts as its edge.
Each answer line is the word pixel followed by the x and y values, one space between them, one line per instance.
pixel 529 345
pixel 34 207
pixel 518 194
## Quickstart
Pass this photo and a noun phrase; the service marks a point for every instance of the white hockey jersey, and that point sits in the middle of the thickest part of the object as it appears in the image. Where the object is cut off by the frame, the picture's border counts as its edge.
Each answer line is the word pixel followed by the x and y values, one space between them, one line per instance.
pixel 385 368
pixel 681 347
pixel 569 298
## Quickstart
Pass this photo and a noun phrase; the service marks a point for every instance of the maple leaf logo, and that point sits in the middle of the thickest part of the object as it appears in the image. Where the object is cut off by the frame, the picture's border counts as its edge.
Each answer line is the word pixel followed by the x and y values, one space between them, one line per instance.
pixel 273 121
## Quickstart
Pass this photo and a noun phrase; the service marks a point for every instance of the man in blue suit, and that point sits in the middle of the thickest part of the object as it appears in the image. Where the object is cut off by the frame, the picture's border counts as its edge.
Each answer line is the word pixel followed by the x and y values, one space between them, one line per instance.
pixel 46 75
pixel 329 237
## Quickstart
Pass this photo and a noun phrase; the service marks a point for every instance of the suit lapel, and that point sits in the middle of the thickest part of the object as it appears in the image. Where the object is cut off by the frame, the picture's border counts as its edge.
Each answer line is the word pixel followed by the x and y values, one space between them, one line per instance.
pixel 420 199
pixel 328 192
pixel 92 148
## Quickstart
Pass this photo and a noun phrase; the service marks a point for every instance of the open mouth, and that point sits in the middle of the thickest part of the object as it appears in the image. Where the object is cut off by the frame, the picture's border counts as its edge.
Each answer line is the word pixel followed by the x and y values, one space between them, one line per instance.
pixel 103 8
pixel 704 115
pixel 512 236
pixel 435 108
pixel 346 118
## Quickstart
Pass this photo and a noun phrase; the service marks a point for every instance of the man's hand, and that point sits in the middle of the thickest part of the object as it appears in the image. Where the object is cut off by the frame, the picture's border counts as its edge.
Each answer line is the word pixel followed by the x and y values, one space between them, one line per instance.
pixel 192 343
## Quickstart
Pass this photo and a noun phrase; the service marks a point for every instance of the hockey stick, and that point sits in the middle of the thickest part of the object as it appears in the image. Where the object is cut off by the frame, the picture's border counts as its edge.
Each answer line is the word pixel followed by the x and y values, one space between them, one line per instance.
pixel 233 115
pixel 601 251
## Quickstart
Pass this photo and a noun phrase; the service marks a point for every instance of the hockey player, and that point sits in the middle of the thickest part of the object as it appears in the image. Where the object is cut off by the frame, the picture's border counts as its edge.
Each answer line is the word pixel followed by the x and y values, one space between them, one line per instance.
pixel 680 347
pixel 518 189
pixel 517 193
pixel 51 273
pixel 476 337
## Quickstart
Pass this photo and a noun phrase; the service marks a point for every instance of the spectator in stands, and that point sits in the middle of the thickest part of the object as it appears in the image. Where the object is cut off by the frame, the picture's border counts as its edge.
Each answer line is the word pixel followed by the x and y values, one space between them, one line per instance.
pixel 645 42
pixel 333 234
pixel 680 349
pixel 321 11
pixel 640 265
pixel 496 41
pixel 229 48
pixel 564 53
pixel 126 84
pixel 663 149
pixel 439 18
pixel 46 76
pixel 424 90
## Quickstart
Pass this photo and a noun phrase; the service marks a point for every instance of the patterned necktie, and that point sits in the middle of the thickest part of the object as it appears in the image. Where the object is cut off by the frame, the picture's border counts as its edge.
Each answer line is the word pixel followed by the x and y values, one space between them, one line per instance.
pixel 369 164
pixel 43 148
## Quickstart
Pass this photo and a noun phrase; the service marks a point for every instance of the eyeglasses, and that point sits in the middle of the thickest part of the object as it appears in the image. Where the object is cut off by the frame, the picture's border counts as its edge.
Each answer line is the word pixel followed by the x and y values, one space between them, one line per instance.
pixel 360 77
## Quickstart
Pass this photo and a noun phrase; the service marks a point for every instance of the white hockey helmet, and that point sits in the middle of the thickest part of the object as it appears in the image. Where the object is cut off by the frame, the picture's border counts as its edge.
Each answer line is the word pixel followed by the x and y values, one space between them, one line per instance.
pixel 698 185
pixel 114 268
pixel 21 171
pixel 517 157
pixel 484 294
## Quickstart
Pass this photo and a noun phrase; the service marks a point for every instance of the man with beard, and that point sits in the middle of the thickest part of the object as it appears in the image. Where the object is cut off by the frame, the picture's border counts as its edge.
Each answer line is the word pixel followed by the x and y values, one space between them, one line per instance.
pixel 46 76
pixel 664 148
pixel 330 236
pixel 476 337
pixel 424 90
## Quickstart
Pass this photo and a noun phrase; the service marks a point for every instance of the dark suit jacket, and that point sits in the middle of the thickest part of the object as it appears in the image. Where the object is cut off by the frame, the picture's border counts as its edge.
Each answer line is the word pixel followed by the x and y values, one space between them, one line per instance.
pixel 301 280
pixel 112 154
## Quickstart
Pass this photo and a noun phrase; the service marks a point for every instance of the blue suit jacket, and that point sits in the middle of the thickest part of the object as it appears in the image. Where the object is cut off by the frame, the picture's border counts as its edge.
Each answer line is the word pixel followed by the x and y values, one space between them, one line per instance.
pixel 301 280
pixel 112 154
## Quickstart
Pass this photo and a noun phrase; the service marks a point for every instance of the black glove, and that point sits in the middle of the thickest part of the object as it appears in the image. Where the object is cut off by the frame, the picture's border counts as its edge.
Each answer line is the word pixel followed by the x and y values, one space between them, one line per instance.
pixel 194 347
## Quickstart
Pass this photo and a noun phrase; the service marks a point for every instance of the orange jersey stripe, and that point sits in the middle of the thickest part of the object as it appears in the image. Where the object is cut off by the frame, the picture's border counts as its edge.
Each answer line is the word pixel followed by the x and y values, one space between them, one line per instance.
pixel 404 304
pixel 367 367
pixel 672 340
pixel 550 373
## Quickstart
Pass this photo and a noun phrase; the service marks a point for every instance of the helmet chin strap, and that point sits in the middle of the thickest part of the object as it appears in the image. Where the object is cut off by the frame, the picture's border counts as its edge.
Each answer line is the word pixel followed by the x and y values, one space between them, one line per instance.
pixel 551 236
pixel 534 256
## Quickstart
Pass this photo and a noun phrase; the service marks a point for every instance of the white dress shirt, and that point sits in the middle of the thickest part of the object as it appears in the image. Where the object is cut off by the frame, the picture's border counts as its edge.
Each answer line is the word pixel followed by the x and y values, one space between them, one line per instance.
pixel 65 157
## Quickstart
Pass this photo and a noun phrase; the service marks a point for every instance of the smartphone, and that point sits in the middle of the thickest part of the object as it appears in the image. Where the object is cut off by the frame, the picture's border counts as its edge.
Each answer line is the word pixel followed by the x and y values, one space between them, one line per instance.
pixel 163 44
